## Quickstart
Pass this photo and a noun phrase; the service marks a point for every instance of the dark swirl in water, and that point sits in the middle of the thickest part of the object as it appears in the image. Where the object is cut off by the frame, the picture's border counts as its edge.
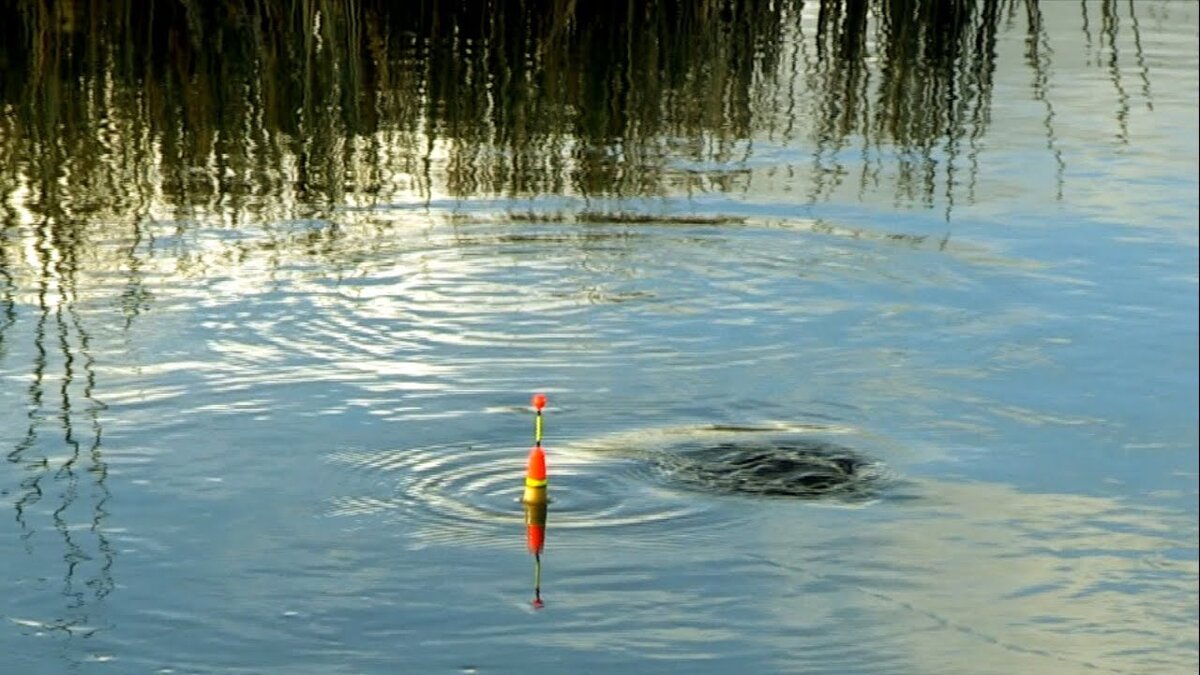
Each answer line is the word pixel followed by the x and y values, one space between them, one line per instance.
pixel 801 468
pixel 770 459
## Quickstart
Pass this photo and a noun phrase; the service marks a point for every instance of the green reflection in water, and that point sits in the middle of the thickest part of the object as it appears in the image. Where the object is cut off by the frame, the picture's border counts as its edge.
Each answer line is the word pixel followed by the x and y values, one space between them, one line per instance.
pixel 276 110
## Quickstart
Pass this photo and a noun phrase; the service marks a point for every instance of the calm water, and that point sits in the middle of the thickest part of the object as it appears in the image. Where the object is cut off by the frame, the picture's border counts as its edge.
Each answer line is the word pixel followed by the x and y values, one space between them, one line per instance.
pixel 275 290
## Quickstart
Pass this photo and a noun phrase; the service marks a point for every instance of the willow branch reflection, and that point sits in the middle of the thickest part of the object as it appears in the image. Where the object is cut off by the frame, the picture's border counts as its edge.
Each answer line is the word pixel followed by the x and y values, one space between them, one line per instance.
pixel 364 103
pixel 1143 69
pixel 30 488
pixel 70 475
pixel 1038 54
pixel 1109 26
pixel 8 287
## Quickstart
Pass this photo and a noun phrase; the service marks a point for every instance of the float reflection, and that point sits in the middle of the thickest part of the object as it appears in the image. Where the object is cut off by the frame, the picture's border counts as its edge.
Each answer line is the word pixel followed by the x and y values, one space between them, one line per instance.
pixel 535 540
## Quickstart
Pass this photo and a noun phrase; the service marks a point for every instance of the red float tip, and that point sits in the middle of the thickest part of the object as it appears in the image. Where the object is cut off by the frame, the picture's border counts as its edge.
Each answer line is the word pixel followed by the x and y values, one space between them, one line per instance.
pixel 535 468
pixel 538 604
pixel 539 401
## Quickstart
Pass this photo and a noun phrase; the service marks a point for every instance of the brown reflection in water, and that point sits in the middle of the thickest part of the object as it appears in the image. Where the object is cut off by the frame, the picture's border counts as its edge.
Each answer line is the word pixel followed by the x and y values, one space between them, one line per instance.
pixel 934 76
pixel 269 111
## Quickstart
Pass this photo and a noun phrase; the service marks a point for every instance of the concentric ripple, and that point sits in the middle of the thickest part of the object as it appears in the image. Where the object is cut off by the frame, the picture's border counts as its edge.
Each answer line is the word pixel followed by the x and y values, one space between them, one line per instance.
pixel 470 495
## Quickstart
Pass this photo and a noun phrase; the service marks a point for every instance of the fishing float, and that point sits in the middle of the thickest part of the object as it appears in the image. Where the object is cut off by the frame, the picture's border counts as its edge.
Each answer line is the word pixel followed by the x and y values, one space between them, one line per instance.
pixel 534 500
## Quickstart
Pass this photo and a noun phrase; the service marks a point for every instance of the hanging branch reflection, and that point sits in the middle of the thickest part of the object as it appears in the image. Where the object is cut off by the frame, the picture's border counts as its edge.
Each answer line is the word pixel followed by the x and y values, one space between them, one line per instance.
pixel 1038 55
pixel 935 65
pixel 1143 69
pixel 8 286
pixel 62 489
pixel 1109 24
pixel 332 104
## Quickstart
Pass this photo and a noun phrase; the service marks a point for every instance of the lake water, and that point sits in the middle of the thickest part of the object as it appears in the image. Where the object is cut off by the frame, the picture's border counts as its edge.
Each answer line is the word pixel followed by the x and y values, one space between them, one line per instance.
pixel 276 289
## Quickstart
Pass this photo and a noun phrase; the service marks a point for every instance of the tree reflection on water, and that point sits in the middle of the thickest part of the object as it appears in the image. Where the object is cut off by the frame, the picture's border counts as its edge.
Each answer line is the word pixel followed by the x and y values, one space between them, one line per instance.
pixel 276 110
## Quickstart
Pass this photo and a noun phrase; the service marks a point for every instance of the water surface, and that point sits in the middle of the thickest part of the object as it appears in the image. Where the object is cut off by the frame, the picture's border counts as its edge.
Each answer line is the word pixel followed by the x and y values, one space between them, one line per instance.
pixel 276 285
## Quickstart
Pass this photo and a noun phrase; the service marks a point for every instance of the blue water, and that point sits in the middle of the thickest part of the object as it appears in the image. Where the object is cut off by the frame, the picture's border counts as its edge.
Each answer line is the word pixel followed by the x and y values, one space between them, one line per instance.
pixel 296 445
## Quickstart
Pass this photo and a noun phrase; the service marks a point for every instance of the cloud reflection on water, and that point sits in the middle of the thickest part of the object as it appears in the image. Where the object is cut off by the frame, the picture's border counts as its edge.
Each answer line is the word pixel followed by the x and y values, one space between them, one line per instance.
pixel 1036 583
